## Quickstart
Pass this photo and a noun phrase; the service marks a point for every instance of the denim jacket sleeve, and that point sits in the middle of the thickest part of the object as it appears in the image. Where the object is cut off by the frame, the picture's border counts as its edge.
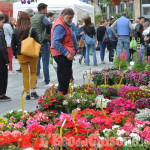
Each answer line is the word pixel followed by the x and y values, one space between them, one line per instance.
pixel 58 35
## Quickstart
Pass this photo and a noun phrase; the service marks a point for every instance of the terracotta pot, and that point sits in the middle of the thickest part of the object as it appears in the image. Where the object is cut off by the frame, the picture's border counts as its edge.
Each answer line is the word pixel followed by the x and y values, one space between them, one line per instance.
pixel 115 2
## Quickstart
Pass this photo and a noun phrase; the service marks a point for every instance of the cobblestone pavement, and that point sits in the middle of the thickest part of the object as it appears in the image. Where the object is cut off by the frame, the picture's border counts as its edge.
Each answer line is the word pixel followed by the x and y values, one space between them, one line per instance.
pixel 15 83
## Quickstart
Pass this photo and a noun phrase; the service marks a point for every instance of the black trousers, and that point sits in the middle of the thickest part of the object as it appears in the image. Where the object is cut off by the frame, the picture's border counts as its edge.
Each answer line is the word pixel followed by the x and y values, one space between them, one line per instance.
pixel 64 72
pixel 3 78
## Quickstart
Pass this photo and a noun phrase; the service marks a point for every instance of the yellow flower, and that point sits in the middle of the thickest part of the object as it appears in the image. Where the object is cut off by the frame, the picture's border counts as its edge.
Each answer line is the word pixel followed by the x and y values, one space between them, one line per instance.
pixel 8 127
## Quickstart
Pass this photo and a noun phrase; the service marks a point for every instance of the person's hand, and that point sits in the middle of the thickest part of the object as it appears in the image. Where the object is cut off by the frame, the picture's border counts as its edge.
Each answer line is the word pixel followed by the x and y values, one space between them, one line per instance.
pixel 116 35
pixel 70 57
pixel 131 35
pixel 7 64
pixel 82 33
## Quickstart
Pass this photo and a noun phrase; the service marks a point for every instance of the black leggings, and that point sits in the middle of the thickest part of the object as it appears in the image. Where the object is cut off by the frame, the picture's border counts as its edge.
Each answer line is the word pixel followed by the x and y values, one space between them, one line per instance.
pixel 3 78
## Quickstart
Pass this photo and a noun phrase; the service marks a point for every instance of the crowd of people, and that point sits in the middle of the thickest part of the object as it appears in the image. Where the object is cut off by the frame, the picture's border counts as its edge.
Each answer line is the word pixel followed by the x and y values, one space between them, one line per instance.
pixel 61 39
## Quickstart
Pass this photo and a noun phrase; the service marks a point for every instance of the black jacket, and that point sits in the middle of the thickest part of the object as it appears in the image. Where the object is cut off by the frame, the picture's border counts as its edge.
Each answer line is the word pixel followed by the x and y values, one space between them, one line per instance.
pixel 138 32
pixel 89 30
pixel 3 49
pixel 16 40
pixel 100 33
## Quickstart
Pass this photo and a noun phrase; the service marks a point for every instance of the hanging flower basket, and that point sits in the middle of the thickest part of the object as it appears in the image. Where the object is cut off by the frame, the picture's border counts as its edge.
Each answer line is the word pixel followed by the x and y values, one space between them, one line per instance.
pixel 115 2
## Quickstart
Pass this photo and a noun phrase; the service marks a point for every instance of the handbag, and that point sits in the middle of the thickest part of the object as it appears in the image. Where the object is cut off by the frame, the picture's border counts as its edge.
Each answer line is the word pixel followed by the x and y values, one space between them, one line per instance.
pixel 29 47
pixel 147 39
pixel 106 38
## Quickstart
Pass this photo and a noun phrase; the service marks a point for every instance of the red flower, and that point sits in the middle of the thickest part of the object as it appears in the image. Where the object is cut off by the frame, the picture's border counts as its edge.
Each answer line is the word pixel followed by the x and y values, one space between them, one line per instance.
pixel 38 129
pixel 53 99
pixel 50 103
pixel 45 106
pixel 70 125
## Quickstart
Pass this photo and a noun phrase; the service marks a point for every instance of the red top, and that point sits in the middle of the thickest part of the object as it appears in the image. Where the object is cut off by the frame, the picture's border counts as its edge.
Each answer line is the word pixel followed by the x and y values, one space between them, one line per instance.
pixel 67 41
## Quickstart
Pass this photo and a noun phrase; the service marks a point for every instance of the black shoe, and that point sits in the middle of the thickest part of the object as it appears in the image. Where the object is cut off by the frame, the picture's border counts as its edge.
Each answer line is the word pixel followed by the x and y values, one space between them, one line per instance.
pixel 5 98
pixel 34 95
pixel 80 59
pixel 28 97
pixel 19 70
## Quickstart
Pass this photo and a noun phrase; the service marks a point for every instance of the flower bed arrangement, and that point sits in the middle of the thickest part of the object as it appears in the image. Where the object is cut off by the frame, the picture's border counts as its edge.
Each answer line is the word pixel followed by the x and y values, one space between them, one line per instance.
pixel 113 77
pixel 120 104
pixel 54 126
pixel 113 130
pixel 133 93
pixel 142 103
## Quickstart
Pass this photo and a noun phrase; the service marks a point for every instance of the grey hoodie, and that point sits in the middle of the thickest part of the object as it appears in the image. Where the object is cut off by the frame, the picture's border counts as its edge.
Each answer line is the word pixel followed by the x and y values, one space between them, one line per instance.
pixel 8 31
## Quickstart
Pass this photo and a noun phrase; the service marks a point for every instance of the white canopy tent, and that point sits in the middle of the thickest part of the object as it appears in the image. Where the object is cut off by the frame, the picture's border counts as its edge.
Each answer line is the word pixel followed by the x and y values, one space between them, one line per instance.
pixel 81 9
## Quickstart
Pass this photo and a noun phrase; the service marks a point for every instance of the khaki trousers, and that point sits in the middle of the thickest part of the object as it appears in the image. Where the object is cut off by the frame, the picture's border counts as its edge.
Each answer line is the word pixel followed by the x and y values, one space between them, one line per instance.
pixel 25 63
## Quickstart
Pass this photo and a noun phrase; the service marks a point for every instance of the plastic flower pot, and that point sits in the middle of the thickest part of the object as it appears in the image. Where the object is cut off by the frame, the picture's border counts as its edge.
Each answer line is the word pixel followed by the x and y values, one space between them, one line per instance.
pixel 115 2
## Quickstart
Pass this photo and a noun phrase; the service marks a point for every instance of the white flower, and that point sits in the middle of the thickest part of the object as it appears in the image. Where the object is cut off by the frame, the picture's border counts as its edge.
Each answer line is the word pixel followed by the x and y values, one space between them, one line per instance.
pixel 140 126
pixel 120 132
pixel 127 143
pixel 106 130
pixel 135 136
pixel 120 139
pixel 143 115
pixel 115 127
pixel 98 99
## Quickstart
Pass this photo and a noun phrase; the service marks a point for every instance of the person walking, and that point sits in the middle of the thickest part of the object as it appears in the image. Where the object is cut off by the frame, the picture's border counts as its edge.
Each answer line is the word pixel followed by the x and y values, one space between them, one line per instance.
pixel 90 33
pixel 100 35
pixel 82 43
pixel 112 41
pixel 13 23
pixel 4 62
pixel 139 30
pixel 40 22
pixel 124 31
pixel 21 32
pixel 8 31
pixel 63 47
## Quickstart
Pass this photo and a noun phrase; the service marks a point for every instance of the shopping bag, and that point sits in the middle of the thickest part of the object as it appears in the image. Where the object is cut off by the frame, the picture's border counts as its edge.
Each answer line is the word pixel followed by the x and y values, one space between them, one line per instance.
pixel 133 44
pixel 51 59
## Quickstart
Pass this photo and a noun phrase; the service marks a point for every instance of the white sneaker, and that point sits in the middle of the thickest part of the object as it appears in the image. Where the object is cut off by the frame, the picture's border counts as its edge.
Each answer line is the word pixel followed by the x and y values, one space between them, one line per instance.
pixel 49 85
pixel 111 63
pixel 103 62
pixel 13 72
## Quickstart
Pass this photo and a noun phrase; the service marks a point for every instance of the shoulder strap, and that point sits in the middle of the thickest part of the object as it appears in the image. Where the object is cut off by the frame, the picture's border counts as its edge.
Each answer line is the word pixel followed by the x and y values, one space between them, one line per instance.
pixel 30 32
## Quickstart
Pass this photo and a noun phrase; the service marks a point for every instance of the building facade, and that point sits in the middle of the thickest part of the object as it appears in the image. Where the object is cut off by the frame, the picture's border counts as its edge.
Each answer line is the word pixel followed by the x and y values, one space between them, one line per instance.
pixel 137 7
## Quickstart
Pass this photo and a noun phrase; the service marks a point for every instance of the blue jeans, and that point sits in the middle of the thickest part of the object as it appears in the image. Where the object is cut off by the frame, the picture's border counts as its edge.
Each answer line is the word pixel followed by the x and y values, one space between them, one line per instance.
pixel 83 53
pixel 92 46
pixel 44 53
pixel 124 42
pixel 102 50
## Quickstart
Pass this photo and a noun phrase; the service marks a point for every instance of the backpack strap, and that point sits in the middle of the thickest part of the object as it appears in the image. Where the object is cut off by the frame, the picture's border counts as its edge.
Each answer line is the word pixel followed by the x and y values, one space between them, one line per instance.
pixel 30 32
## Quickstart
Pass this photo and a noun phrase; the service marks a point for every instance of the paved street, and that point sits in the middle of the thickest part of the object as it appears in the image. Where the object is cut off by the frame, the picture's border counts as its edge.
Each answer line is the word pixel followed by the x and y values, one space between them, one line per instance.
pixel 15 84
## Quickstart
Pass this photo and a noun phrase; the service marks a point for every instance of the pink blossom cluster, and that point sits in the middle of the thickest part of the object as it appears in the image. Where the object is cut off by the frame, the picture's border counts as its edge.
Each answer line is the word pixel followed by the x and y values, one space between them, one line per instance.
pixel 125 89
pixel 120 104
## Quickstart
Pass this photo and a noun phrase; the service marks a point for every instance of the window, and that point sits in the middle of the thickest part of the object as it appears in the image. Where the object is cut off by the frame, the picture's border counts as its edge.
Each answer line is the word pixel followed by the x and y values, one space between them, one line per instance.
pixel 145 1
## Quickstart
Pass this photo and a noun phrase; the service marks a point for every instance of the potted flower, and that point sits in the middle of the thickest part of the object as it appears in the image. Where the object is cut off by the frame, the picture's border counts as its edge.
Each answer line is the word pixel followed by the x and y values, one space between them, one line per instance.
pixel 115 2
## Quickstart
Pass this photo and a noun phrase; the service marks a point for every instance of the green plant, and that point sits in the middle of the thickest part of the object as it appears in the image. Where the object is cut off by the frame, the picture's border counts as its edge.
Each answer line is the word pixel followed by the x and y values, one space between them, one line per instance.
pixel 140 66
pixel 99 17
pixel 15 114
pixel 124 65
pixel 129 14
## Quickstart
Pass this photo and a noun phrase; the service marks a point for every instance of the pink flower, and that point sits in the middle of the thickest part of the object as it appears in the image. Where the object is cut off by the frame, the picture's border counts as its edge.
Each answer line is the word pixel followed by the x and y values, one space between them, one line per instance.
pixel 50 129
pixel 6 133
pixel 16 133
pixel 148 137
pixel 2 125
pixel 64 116
pixel 25 131
pixel 17 126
